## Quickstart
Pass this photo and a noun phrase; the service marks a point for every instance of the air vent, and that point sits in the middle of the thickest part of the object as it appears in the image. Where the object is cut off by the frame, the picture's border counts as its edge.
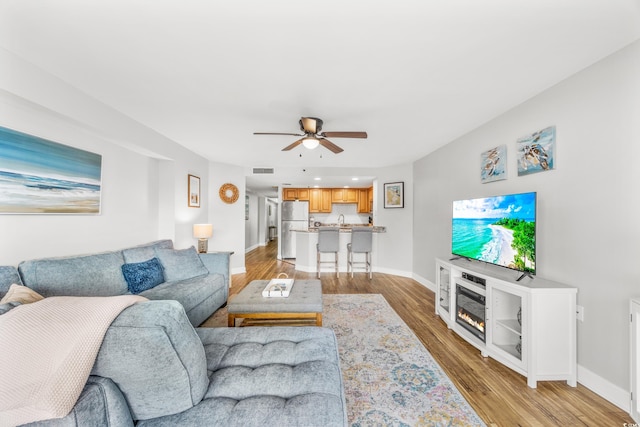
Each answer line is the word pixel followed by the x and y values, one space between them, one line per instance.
pixel 262 170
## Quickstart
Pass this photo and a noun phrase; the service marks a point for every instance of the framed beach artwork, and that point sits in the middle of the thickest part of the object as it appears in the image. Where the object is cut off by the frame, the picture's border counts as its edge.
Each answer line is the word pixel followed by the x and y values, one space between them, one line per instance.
pixel 494 164
pixel 38 176
pixel 394 195
pixel 536 152
pixel 194 191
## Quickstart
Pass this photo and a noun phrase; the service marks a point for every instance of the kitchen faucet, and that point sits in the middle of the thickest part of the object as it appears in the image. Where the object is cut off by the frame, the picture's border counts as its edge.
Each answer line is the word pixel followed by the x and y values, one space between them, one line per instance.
pixel 341 216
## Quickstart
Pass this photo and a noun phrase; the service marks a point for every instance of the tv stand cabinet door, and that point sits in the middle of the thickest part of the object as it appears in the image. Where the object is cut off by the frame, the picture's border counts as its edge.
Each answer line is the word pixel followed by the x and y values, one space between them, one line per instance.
pixel 506 326
pixel 445 293
pixel 552 336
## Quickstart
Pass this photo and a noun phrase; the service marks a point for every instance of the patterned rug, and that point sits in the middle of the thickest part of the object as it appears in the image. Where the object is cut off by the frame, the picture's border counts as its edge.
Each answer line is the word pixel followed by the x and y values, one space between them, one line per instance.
pixel 390 379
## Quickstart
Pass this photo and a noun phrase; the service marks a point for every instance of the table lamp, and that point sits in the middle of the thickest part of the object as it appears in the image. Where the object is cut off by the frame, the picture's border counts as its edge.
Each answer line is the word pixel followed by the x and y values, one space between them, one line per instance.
pixel 203 233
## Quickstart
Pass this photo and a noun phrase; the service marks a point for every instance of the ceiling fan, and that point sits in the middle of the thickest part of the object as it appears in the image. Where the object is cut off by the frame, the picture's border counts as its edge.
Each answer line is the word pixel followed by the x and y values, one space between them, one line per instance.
pixel 313 135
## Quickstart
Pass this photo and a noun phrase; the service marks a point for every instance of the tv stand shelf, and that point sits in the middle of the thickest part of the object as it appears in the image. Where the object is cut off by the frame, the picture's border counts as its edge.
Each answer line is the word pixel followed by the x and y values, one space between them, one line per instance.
pixel 530 324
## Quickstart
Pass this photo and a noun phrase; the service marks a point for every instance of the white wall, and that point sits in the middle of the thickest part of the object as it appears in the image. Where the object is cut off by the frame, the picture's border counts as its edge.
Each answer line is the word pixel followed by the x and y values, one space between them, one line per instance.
pixel 348 210
pixel 587 226
pixel 396 245
pixel 144 175
pixel 227 219
pixel 254 226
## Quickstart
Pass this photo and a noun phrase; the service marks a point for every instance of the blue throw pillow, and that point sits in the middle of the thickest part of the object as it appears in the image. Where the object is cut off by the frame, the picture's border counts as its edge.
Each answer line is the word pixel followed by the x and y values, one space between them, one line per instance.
pixel 141 276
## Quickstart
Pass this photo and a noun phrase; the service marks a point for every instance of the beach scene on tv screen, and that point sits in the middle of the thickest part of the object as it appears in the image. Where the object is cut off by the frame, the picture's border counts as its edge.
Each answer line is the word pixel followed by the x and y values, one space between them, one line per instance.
pixel 499 230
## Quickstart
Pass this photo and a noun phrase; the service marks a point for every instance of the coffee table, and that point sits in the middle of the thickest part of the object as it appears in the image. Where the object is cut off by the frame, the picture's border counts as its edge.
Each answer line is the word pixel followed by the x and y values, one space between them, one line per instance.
pixel 304 302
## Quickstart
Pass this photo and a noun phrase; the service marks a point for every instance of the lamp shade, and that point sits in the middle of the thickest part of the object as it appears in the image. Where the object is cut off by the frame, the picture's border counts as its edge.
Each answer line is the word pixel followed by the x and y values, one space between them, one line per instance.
pixel 310 142
pixel 202 231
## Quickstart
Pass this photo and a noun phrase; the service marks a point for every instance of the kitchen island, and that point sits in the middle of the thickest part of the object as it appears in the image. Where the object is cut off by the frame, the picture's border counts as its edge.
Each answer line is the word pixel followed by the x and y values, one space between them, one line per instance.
pixel 306 241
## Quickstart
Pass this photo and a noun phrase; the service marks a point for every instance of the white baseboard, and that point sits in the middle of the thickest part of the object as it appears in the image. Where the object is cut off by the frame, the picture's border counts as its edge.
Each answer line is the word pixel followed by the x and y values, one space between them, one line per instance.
pixel 325 269
pixel 250 248
pixel 238 270
pixel 400 273
pixel 424 282
pixel 603 388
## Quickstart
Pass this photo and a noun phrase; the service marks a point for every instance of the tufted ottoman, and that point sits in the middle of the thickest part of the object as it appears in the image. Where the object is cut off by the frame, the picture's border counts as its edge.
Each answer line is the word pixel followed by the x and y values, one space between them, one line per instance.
pixel 304 302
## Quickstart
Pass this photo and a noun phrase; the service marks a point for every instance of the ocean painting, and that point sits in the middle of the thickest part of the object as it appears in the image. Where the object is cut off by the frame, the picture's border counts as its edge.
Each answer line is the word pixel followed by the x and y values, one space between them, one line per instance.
pixel 499 230
pixel 38 176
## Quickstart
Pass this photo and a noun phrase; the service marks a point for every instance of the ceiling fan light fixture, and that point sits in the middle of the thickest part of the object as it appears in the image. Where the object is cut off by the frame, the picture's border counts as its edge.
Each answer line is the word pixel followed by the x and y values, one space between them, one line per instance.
pixel 310 142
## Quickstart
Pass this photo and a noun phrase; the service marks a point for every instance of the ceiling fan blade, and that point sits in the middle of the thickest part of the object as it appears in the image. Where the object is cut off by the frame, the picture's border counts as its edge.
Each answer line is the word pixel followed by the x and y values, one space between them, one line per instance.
pixel 276 133
pixel 292 146
pixel 344 134
pixel 330 145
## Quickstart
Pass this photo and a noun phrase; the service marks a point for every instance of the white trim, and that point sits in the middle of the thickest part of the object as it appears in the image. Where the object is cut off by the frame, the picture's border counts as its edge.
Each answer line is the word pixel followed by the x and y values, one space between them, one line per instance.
pixel 611 392
pixel 238 270
pixel 249 249
pixel 424 282
pixel 331 269
pixel 393 272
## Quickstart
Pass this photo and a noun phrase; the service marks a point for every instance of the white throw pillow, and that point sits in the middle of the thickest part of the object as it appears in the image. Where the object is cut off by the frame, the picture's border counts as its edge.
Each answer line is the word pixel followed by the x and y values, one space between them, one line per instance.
pixel 21 294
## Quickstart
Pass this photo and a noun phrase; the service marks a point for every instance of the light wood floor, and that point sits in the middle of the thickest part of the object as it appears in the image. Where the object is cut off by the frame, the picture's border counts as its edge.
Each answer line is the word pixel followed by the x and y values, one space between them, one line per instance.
pixel 499 396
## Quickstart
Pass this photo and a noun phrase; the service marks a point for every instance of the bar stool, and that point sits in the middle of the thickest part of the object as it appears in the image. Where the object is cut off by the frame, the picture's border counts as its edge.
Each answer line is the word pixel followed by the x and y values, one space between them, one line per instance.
pixel 328 241
pixel 361 242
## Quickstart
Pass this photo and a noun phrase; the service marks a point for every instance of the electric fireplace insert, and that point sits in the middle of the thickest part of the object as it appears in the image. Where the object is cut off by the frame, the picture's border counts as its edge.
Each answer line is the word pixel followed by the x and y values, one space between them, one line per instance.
pixel 470 308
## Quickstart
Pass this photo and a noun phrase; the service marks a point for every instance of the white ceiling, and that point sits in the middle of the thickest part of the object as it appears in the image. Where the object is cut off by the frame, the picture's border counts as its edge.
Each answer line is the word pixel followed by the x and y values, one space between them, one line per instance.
pixel 414 74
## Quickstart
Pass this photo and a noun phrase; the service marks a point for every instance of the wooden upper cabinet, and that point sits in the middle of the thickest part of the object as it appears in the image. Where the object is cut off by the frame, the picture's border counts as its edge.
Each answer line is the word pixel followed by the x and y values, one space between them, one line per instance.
pixel 320 200
pixel 363 201
pixel 289 193
pixel 295 194
pixel 303 194
pixel 344 195
pixel 314 200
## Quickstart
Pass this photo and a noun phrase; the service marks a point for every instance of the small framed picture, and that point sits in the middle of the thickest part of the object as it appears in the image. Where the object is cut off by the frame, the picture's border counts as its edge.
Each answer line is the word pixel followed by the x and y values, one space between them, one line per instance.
pixel 394 195
pixel 493 165
pixel 536 152
pixel 194 191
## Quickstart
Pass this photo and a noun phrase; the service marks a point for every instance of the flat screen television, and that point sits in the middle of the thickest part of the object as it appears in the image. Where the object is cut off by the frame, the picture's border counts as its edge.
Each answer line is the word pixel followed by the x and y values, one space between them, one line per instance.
pixel 499 230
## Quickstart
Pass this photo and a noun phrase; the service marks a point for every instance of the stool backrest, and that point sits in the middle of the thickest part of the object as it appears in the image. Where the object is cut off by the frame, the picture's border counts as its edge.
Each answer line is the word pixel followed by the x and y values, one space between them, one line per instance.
pixel 328 239
pixel 361 239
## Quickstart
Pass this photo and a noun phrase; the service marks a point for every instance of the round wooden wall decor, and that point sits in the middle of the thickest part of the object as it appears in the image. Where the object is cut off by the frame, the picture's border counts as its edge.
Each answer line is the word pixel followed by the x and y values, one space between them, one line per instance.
pixel 229 193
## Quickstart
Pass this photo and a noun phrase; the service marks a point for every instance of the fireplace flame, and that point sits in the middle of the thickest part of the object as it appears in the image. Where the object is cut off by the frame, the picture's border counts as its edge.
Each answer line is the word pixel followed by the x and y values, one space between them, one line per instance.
pixel 468 319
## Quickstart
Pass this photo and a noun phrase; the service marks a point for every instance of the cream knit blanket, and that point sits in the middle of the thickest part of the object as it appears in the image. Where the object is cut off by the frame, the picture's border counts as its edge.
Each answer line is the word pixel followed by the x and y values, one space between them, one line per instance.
pixel 47 350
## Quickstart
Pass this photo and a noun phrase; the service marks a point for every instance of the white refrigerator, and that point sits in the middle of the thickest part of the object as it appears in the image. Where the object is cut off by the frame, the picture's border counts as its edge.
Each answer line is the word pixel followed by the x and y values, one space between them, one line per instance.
pixel 295 216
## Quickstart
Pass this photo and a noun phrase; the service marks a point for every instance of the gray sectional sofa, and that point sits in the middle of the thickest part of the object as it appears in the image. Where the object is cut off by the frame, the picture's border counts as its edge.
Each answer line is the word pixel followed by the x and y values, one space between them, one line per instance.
pixel 155 369
pixel 198 281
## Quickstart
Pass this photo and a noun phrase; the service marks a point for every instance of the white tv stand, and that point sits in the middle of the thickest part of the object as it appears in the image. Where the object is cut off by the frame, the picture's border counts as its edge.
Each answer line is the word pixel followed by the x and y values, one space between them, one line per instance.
pixel 530 325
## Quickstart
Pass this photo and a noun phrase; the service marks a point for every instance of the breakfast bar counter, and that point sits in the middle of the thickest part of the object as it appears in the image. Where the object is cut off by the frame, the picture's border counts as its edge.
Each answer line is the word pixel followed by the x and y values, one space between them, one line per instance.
pixel 306 241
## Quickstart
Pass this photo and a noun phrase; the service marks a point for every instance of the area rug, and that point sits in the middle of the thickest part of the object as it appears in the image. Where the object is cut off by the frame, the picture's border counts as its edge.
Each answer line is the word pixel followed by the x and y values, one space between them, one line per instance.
pixel 390 379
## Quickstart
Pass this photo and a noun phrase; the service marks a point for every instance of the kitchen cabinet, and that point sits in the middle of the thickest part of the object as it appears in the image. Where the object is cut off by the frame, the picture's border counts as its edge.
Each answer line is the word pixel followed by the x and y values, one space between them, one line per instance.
pixel 364 205
pixel 344 195
pixel 295 194
pixel 320 200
